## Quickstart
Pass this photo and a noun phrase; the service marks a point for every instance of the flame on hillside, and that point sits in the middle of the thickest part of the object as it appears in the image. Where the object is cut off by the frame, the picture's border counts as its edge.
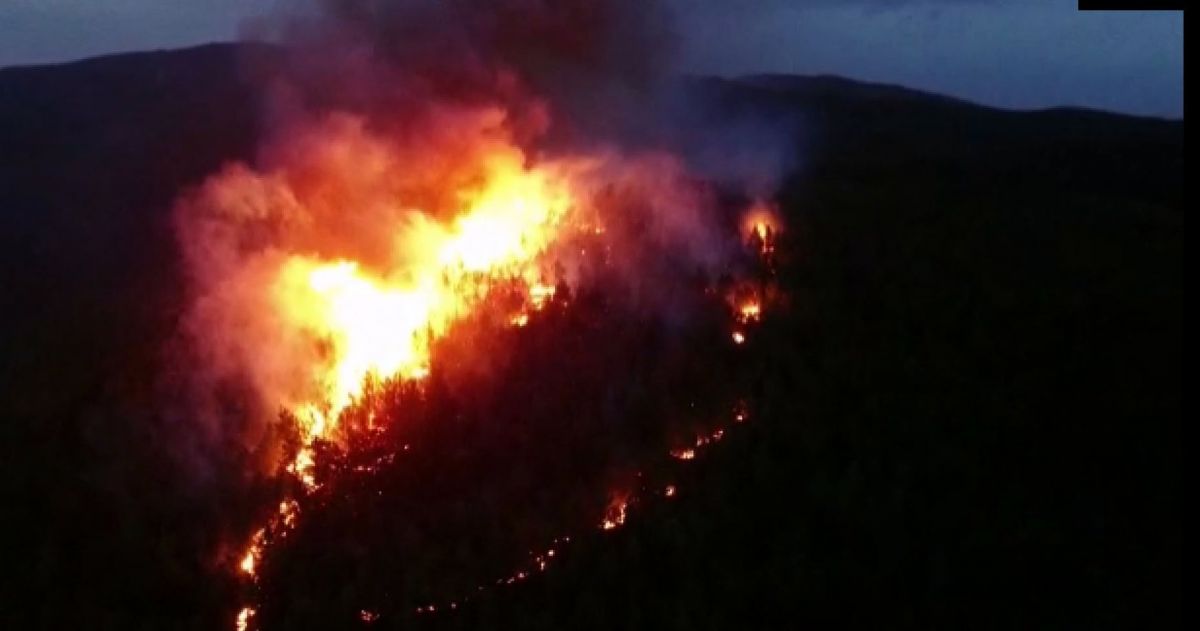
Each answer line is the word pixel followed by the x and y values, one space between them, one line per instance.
pixel 364 235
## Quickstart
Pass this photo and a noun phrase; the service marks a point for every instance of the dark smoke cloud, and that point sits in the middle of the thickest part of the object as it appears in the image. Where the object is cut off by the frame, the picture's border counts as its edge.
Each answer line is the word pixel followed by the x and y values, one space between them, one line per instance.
pixel 570 72
pixel 589 60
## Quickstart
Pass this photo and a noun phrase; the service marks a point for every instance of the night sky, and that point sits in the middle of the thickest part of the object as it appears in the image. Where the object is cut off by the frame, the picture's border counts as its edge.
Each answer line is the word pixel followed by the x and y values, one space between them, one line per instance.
pixel 1009 53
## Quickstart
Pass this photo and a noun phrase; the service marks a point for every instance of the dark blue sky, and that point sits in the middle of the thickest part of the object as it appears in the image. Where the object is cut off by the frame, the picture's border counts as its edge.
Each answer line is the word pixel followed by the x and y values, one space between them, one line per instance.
pixel 1011 53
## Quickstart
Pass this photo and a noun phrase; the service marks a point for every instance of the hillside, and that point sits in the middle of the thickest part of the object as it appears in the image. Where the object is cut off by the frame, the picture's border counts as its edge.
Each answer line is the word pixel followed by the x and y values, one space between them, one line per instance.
pixel 973 410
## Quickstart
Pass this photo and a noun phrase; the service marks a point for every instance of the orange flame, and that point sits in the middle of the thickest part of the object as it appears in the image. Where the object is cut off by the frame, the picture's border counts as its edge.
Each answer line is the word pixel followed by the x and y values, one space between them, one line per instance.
pixel 383 324
pixel 243 618
pixel 684 454
pixel 761 224
pixel 349 254
pixel 749 312
pixel 615 515
pixel 351 257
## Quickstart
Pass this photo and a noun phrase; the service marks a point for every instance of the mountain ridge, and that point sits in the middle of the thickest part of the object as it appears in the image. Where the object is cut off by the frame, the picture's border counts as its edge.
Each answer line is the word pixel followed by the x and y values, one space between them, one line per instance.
pixel 975 420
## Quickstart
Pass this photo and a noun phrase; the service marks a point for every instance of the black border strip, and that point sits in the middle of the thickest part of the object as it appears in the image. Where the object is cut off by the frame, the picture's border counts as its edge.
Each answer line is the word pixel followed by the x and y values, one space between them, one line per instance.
pixel 1131 5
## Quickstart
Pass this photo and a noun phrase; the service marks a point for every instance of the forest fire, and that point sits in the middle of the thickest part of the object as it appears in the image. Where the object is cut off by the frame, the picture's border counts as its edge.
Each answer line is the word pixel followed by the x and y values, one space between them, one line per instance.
pixel 366 323
pixel 373 328
pixel 479 314
pixel 347 321
pixel 761 225
pixel 382 323
pixel 367 244
pixel 317 313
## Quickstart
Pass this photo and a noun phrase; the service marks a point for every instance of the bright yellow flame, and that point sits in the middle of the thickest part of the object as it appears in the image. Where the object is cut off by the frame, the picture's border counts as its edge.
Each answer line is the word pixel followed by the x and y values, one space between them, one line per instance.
pixel 761 222
pixel 540 294
pixel 369 327
pixel 243 618
pixel 383 323
pixel 287 513
pixel 249 562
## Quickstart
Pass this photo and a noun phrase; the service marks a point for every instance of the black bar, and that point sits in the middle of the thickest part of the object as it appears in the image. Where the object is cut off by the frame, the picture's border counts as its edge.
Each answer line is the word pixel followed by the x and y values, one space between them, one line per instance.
pixel 1131 5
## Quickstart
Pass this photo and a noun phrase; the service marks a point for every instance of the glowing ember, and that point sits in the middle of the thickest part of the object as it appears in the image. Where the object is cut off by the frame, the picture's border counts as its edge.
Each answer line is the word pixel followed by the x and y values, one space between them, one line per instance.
pixel 740 413
pixel 749 312
pixel 243 618
pixel 684 454
pixel 287 513
pixel 368 616
pixel 739 337
pixel 250 560
pixel 669 491
pixel 540 294
pixel 616 515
